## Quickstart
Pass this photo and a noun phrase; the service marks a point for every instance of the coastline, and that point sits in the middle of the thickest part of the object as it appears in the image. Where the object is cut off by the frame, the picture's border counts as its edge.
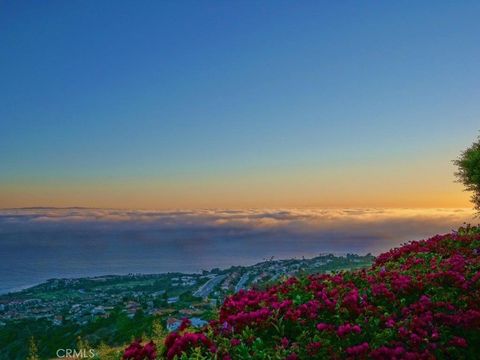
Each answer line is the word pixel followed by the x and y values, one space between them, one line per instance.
pixel 20 288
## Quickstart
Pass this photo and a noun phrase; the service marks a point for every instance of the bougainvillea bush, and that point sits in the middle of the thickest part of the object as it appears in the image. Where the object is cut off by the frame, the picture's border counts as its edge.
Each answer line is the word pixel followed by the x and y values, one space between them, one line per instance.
pixel 137 351
pixel 418 301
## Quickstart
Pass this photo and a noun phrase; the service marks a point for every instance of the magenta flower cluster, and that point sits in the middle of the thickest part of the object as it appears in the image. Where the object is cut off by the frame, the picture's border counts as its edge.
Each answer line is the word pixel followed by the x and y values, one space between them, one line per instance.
pixel 418 301
pixel 137 351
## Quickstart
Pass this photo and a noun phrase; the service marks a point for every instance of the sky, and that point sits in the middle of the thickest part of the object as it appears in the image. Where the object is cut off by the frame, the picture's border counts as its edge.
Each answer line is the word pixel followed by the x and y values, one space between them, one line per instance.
pixel 236 104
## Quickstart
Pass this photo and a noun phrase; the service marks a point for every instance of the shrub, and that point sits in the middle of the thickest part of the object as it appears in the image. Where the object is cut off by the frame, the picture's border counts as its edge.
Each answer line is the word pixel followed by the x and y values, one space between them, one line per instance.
pixel 418 301
pixel 137 351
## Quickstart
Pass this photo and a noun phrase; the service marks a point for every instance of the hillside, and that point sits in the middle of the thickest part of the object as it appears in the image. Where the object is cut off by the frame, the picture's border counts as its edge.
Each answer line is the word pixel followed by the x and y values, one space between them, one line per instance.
pixel 418 301
pixel 110 310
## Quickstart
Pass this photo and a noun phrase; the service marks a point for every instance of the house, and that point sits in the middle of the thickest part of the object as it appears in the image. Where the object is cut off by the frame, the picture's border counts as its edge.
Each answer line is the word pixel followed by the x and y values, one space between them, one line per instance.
pixel 173 300
pixel 131 308
pixel 98 310
pixel 173 324
pixel 57 320
pixel 158 293
pixel 162 311
pixel 190 312
pixel 198 322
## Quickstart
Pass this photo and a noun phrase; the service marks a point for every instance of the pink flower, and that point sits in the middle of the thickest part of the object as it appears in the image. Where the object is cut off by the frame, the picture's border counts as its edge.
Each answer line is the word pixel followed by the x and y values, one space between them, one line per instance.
pixel 185 324
pixel 357 349
pixel 235 342
pixel 347 329
pixel 323 326
pixel 313 348
pixel 284 342
pixel 136 351
pixel 458 341
pixel 390 323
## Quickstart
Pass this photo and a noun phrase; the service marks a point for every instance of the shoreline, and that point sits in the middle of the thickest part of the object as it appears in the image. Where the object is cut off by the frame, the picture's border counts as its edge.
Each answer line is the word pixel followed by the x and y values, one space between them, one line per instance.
pixel 20 288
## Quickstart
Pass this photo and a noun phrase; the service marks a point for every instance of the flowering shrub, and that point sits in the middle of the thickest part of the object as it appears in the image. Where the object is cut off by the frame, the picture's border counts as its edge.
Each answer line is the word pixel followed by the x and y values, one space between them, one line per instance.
pixel 418 301
pixel 135 351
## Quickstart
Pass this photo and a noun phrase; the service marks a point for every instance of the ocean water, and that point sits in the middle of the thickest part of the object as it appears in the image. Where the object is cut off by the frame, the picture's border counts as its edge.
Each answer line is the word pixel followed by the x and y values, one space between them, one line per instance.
pixel 30 258
pixel 39 244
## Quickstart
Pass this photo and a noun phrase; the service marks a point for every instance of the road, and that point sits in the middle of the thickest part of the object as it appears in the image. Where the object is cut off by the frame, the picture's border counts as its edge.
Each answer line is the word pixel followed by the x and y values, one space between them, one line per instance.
pixel 204 290
pixel 241 283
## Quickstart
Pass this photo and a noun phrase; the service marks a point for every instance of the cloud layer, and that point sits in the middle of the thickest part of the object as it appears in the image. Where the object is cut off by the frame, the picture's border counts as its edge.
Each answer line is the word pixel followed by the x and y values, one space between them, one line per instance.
pixel 391 225
pixel 37 244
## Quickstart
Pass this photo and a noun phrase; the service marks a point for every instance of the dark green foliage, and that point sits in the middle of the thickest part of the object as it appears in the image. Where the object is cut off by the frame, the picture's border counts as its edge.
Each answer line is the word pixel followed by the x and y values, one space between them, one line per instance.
pixel 116 330
pixel 468 172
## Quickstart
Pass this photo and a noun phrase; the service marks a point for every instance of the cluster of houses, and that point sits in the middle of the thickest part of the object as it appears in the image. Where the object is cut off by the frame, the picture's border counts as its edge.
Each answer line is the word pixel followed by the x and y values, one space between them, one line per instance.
pixel 189 295
pixel 183 281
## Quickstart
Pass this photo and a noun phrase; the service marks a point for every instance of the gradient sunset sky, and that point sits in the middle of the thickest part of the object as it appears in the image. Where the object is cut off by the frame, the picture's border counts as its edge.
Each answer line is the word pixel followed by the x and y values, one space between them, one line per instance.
pixel 187 104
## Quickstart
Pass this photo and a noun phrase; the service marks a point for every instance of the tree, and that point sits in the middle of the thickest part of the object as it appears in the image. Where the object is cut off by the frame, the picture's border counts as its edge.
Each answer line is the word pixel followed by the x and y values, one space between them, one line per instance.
pixel 468 173
pixel 32 350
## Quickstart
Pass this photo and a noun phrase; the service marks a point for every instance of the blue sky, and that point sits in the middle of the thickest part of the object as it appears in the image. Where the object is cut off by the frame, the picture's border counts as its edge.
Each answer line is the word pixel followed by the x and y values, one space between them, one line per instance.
pixel 210 103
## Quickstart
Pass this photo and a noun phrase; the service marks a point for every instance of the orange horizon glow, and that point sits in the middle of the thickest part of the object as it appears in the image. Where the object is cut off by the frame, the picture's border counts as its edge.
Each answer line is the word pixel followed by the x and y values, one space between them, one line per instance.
pixel 425 181
pixel 248 195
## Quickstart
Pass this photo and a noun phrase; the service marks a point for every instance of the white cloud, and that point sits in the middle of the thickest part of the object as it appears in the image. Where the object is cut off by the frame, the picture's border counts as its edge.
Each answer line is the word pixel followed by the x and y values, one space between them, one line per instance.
pixel 360 222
